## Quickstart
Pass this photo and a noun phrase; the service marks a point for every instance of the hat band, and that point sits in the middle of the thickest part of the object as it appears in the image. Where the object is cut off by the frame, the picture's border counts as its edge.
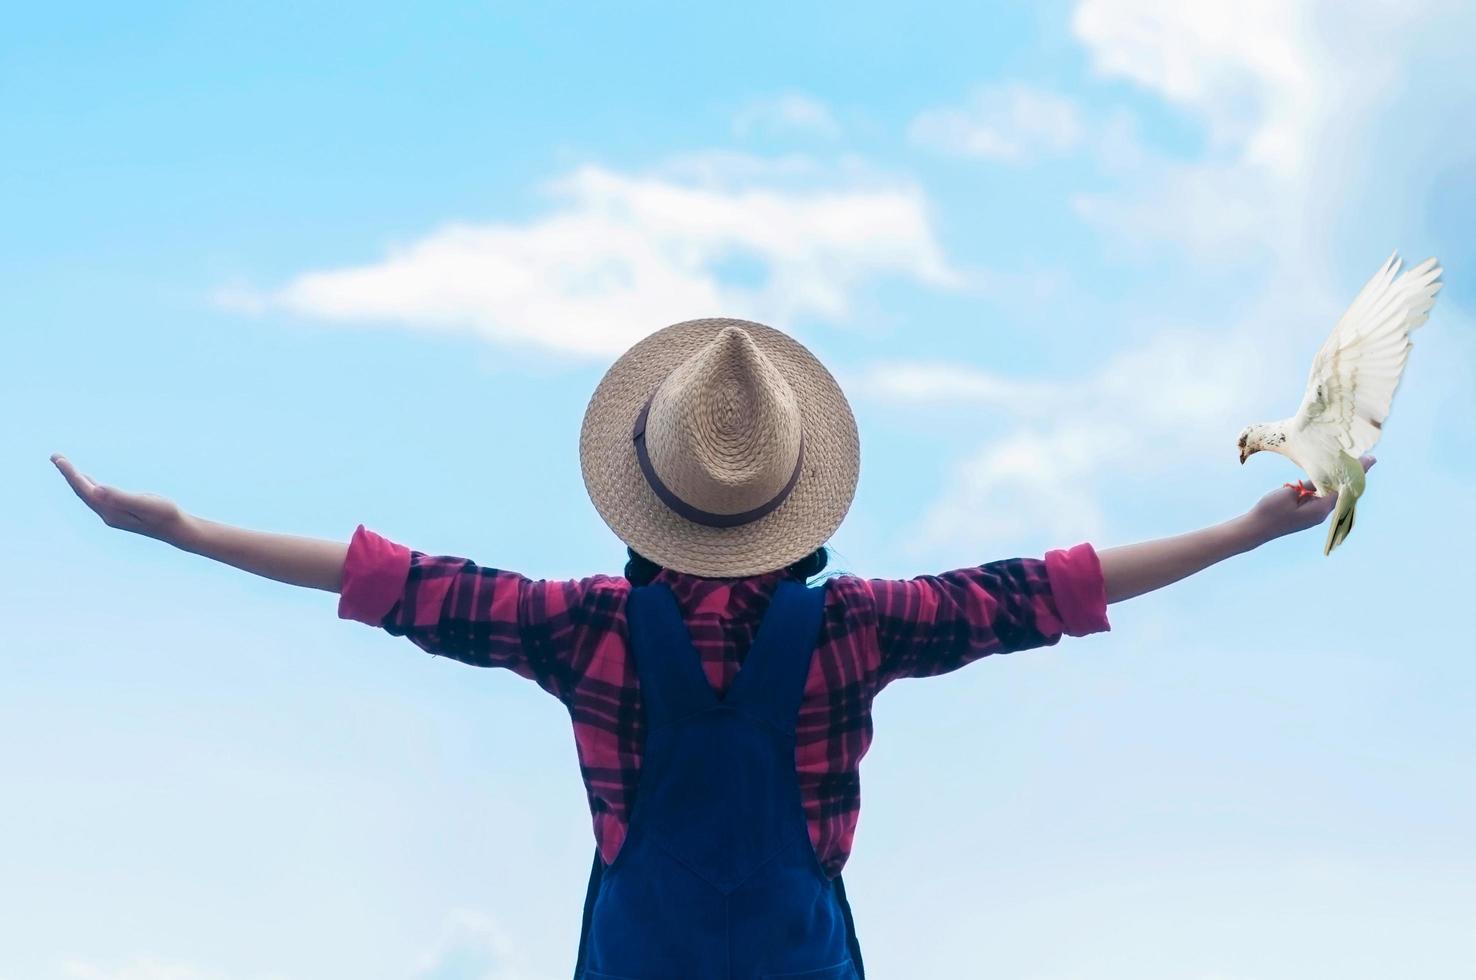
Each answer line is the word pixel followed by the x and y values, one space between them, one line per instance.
pixel 696 514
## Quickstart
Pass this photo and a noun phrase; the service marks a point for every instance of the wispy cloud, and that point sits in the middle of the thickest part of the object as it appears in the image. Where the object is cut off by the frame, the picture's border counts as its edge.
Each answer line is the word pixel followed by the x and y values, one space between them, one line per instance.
pixel 473 946
pixel 951 384
pixel 1146 412
pixel 790 113
pixel 1213 211
pixel 1248 69
pixel 148 968
pixel 1272 89
pixel 620 255
pixel 1010 122
pixel 1250 75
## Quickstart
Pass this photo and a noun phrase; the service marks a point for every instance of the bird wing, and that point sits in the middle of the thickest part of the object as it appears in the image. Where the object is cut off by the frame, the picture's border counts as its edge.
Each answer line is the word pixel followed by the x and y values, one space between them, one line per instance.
pixel 1358 368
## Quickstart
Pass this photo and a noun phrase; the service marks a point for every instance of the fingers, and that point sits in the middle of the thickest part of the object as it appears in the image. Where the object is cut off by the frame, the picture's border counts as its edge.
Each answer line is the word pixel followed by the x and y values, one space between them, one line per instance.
pixel 79 482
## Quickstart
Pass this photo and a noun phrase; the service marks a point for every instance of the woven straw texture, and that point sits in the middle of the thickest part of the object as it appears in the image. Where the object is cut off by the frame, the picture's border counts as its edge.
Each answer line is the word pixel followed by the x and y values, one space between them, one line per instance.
pixel 722 435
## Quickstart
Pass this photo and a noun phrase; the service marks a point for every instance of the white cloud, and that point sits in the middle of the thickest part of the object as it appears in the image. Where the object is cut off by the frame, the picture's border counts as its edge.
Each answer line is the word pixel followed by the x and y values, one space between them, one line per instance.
pixel 1031 480
pixel 146 968
pixel 788 113
pixel 622 255
pixel 923 383
pixel 1212 210
pixel 1278 87
pixel 1246 67
pixel 1173 403
pixel 1249 73
pixel 472 946
pixel 1009 122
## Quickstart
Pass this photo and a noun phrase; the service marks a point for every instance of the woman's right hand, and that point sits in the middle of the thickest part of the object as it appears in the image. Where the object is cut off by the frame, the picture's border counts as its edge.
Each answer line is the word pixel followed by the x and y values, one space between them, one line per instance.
pixel 142 513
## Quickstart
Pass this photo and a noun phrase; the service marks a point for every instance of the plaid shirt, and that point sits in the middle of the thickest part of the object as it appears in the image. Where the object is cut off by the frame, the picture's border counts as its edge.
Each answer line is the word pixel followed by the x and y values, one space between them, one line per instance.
pixel 570 638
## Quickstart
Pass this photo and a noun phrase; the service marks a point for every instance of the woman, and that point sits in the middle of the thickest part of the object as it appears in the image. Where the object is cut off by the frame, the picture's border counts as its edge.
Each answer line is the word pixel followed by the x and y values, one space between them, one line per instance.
pixel 720 706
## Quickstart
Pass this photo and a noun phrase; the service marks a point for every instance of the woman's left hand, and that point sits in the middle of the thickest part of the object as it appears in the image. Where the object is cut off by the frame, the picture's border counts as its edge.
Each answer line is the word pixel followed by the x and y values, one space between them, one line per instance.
pixel 1281 512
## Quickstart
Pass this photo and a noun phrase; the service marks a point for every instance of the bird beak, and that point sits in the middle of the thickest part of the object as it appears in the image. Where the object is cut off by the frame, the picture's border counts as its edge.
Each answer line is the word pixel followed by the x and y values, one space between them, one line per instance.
pixel 1243 455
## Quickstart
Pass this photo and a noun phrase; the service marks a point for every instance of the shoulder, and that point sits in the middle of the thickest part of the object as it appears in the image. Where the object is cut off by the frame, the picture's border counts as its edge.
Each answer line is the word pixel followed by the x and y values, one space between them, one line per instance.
pixel 602 593
pixel 848 595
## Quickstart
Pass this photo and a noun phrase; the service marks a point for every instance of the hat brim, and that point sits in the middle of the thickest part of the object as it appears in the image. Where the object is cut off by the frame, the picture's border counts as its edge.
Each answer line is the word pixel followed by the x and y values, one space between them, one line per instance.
pixel 626 502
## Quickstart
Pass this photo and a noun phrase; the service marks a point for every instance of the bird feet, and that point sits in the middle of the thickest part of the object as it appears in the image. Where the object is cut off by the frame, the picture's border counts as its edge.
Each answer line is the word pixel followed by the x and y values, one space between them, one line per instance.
pixel 1302 492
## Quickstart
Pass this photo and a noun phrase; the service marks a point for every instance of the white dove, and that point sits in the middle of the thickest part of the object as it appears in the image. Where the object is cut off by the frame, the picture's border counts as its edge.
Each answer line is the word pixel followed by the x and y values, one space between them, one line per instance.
pixel 1350 389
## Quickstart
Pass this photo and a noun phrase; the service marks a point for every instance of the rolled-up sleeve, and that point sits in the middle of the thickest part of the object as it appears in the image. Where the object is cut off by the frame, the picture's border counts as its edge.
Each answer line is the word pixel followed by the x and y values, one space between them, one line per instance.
pixel 374 573
pixel 934 624
pixel 545 630
pixel 1078 590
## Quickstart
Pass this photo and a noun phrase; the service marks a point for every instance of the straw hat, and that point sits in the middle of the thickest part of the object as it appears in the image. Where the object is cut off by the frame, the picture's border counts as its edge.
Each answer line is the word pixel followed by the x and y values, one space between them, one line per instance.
pixel 720 448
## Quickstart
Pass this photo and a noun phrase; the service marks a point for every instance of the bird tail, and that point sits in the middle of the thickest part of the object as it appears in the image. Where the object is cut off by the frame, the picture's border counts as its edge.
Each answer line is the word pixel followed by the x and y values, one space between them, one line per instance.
pixel 1342 519
pixel 1349 490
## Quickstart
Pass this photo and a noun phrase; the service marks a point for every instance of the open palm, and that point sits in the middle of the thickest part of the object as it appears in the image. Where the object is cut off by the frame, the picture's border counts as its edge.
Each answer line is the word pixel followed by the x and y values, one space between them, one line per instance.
pixel 143 513
pixel 1283 511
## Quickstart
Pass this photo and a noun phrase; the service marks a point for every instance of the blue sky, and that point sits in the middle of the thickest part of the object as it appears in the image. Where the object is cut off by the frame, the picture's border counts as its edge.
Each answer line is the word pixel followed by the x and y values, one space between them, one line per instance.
pixel 304 267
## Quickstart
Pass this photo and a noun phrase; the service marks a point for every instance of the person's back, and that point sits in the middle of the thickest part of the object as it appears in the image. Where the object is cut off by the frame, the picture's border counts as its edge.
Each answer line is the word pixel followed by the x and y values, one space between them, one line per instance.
pixel 717 876
pixel 574 639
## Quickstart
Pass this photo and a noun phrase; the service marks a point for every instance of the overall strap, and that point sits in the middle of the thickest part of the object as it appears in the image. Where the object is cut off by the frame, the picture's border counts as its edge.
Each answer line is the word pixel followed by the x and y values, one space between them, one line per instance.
pixel 673 684
pixel 772 681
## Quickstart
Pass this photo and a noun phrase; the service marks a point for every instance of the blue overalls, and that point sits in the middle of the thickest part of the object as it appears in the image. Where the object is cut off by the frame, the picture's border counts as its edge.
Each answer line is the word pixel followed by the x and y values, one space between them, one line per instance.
pixel 717 878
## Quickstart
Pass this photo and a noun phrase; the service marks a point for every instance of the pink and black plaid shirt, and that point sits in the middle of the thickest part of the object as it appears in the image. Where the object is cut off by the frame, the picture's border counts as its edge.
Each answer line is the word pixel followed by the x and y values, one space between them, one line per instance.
pixel 570 638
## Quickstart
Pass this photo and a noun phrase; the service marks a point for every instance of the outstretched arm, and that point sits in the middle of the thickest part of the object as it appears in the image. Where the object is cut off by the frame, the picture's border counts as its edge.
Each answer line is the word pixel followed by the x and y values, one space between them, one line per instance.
pixel 313 563
pixel 550 631
pixel 1133 569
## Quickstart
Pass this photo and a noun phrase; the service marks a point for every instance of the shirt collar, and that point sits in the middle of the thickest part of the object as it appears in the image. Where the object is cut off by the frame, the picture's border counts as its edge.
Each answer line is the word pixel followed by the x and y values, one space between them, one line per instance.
pixel 697 594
